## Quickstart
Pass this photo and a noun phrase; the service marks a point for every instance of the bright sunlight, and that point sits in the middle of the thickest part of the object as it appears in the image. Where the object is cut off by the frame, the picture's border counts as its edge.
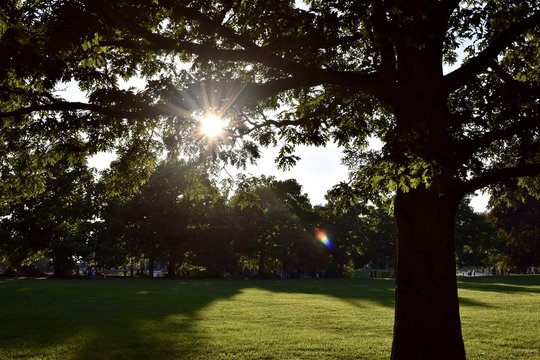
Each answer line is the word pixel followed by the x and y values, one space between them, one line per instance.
pixel 212 125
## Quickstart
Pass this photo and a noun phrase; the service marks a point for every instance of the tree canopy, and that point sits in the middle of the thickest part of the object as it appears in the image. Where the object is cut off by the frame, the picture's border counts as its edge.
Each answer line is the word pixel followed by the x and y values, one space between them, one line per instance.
pixel 342 84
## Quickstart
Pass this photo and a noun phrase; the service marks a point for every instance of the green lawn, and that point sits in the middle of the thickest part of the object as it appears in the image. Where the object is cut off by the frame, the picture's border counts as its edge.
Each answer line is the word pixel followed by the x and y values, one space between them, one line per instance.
pixel 247 319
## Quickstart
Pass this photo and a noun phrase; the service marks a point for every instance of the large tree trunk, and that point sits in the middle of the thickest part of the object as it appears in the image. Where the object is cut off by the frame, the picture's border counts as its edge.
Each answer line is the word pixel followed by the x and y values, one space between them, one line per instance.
pixel 59 270
pixel 262 260
pixel 61 264
pixel 151 267
pixel 427 323
pixel 174 250
pixel 171 267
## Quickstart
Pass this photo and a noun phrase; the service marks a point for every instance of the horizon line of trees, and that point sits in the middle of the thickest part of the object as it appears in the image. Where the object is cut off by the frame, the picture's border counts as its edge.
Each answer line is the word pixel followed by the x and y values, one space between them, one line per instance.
pixel 181 220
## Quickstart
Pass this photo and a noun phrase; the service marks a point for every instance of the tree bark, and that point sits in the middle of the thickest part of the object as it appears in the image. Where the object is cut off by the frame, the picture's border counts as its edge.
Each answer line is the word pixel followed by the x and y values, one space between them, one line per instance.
pixel 171 267
pixel 60 264
pixel 427 323
pixel 262 261
pixel 59 270
pixel 151 267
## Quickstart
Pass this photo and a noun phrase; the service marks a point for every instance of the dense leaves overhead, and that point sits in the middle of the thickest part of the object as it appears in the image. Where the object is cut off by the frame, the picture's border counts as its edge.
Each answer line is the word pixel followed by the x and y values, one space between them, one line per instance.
pixel 335 65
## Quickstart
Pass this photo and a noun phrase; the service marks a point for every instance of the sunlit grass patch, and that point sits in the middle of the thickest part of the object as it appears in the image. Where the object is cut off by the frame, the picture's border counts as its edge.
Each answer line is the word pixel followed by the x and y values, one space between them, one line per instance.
pixel 503 321
pixel 292 325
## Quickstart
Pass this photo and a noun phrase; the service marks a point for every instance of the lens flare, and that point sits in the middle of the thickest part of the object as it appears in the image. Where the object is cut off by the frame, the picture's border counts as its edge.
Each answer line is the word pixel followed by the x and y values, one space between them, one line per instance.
pixel 323 237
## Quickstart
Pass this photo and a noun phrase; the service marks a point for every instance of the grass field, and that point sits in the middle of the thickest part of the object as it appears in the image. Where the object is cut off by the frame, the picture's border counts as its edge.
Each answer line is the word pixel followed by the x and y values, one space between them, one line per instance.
pixel 247 319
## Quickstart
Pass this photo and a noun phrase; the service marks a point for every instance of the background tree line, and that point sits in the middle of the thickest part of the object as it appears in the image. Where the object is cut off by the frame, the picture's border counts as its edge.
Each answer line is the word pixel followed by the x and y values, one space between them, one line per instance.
pixel 180 221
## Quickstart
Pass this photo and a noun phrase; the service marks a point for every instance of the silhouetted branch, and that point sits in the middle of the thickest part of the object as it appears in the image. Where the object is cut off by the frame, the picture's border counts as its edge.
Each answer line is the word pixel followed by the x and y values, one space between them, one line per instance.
pixel 482 61
pixel 499 176
pixel 473 144
pixel 369 83
pixel 80 106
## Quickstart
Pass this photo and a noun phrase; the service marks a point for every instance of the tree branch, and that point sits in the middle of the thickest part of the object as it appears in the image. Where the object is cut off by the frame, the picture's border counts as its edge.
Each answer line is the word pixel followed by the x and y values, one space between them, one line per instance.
pixel 481 62
pixel 469 146
pixel 369 83
pixel 74 106
pixel 501 73
pixel 381 33
pixel 279 123
pixel 498 176
pixel 188 100
pixel 302 76
pixel 304 120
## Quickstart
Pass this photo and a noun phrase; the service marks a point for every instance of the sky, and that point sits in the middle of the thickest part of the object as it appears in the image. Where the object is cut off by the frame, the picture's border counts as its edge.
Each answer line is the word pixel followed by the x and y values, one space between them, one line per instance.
pixel 318 169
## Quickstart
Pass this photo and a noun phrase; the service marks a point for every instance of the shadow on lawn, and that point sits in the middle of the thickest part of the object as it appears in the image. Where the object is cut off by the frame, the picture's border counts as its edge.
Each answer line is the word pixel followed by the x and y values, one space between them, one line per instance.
pixel 380 292
pixel 508 284
pixel 467 301
pixel 136 319
pixel 102 319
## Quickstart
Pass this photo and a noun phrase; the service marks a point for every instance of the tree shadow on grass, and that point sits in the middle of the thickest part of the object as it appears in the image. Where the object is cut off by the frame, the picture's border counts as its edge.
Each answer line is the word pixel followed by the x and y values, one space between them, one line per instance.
pixel 102 319
pixel 510 284
pixel 467 301
pixel 137 319
pixel 380 291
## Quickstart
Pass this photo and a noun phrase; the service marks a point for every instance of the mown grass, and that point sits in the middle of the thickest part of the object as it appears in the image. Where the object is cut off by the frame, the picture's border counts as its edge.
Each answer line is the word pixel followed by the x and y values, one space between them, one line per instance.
pixel 501 317
pixel 247 319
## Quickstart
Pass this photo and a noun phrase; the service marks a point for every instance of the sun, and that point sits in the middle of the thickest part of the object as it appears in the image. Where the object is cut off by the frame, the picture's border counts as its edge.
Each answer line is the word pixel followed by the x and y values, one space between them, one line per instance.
pixel 212 125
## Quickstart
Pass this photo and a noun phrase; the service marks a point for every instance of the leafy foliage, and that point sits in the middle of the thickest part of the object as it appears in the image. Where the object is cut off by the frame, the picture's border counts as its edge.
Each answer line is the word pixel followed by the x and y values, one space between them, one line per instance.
pixel 279 229
pixel 56 223
pixel 518 225
pixel 477 241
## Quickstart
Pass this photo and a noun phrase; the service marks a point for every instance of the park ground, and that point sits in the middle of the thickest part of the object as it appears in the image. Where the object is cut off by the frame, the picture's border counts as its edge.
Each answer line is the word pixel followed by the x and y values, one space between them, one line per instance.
pixel 247 319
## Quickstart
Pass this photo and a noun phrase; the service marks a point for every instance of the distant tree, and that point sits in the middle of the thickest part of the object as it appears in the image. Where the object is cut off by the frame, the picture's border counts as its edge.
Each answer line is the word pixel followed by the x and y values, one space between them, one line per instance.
pixel 477 241
pixel 363 233
pixel 381 237
pixel 157 216
pixel 108 239
pixel 171 218
pixel 212 234
pixel 209 228
pixel 15 248
pixel 519 225
pixel 273 217
pixel 347 234
pixel 58 221
pixel 296 227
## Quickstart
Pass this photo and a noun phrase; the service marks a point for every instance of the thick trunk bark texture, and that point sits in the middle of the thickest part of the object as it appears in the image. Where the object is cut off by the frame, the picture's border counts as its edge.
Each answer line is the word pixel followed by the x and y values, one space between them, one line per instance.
pixel 61 264
pixel 173 261
pixel 262 263
pixel 171 267
pixel 427 323
pixel 59 270
pixel 151 267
